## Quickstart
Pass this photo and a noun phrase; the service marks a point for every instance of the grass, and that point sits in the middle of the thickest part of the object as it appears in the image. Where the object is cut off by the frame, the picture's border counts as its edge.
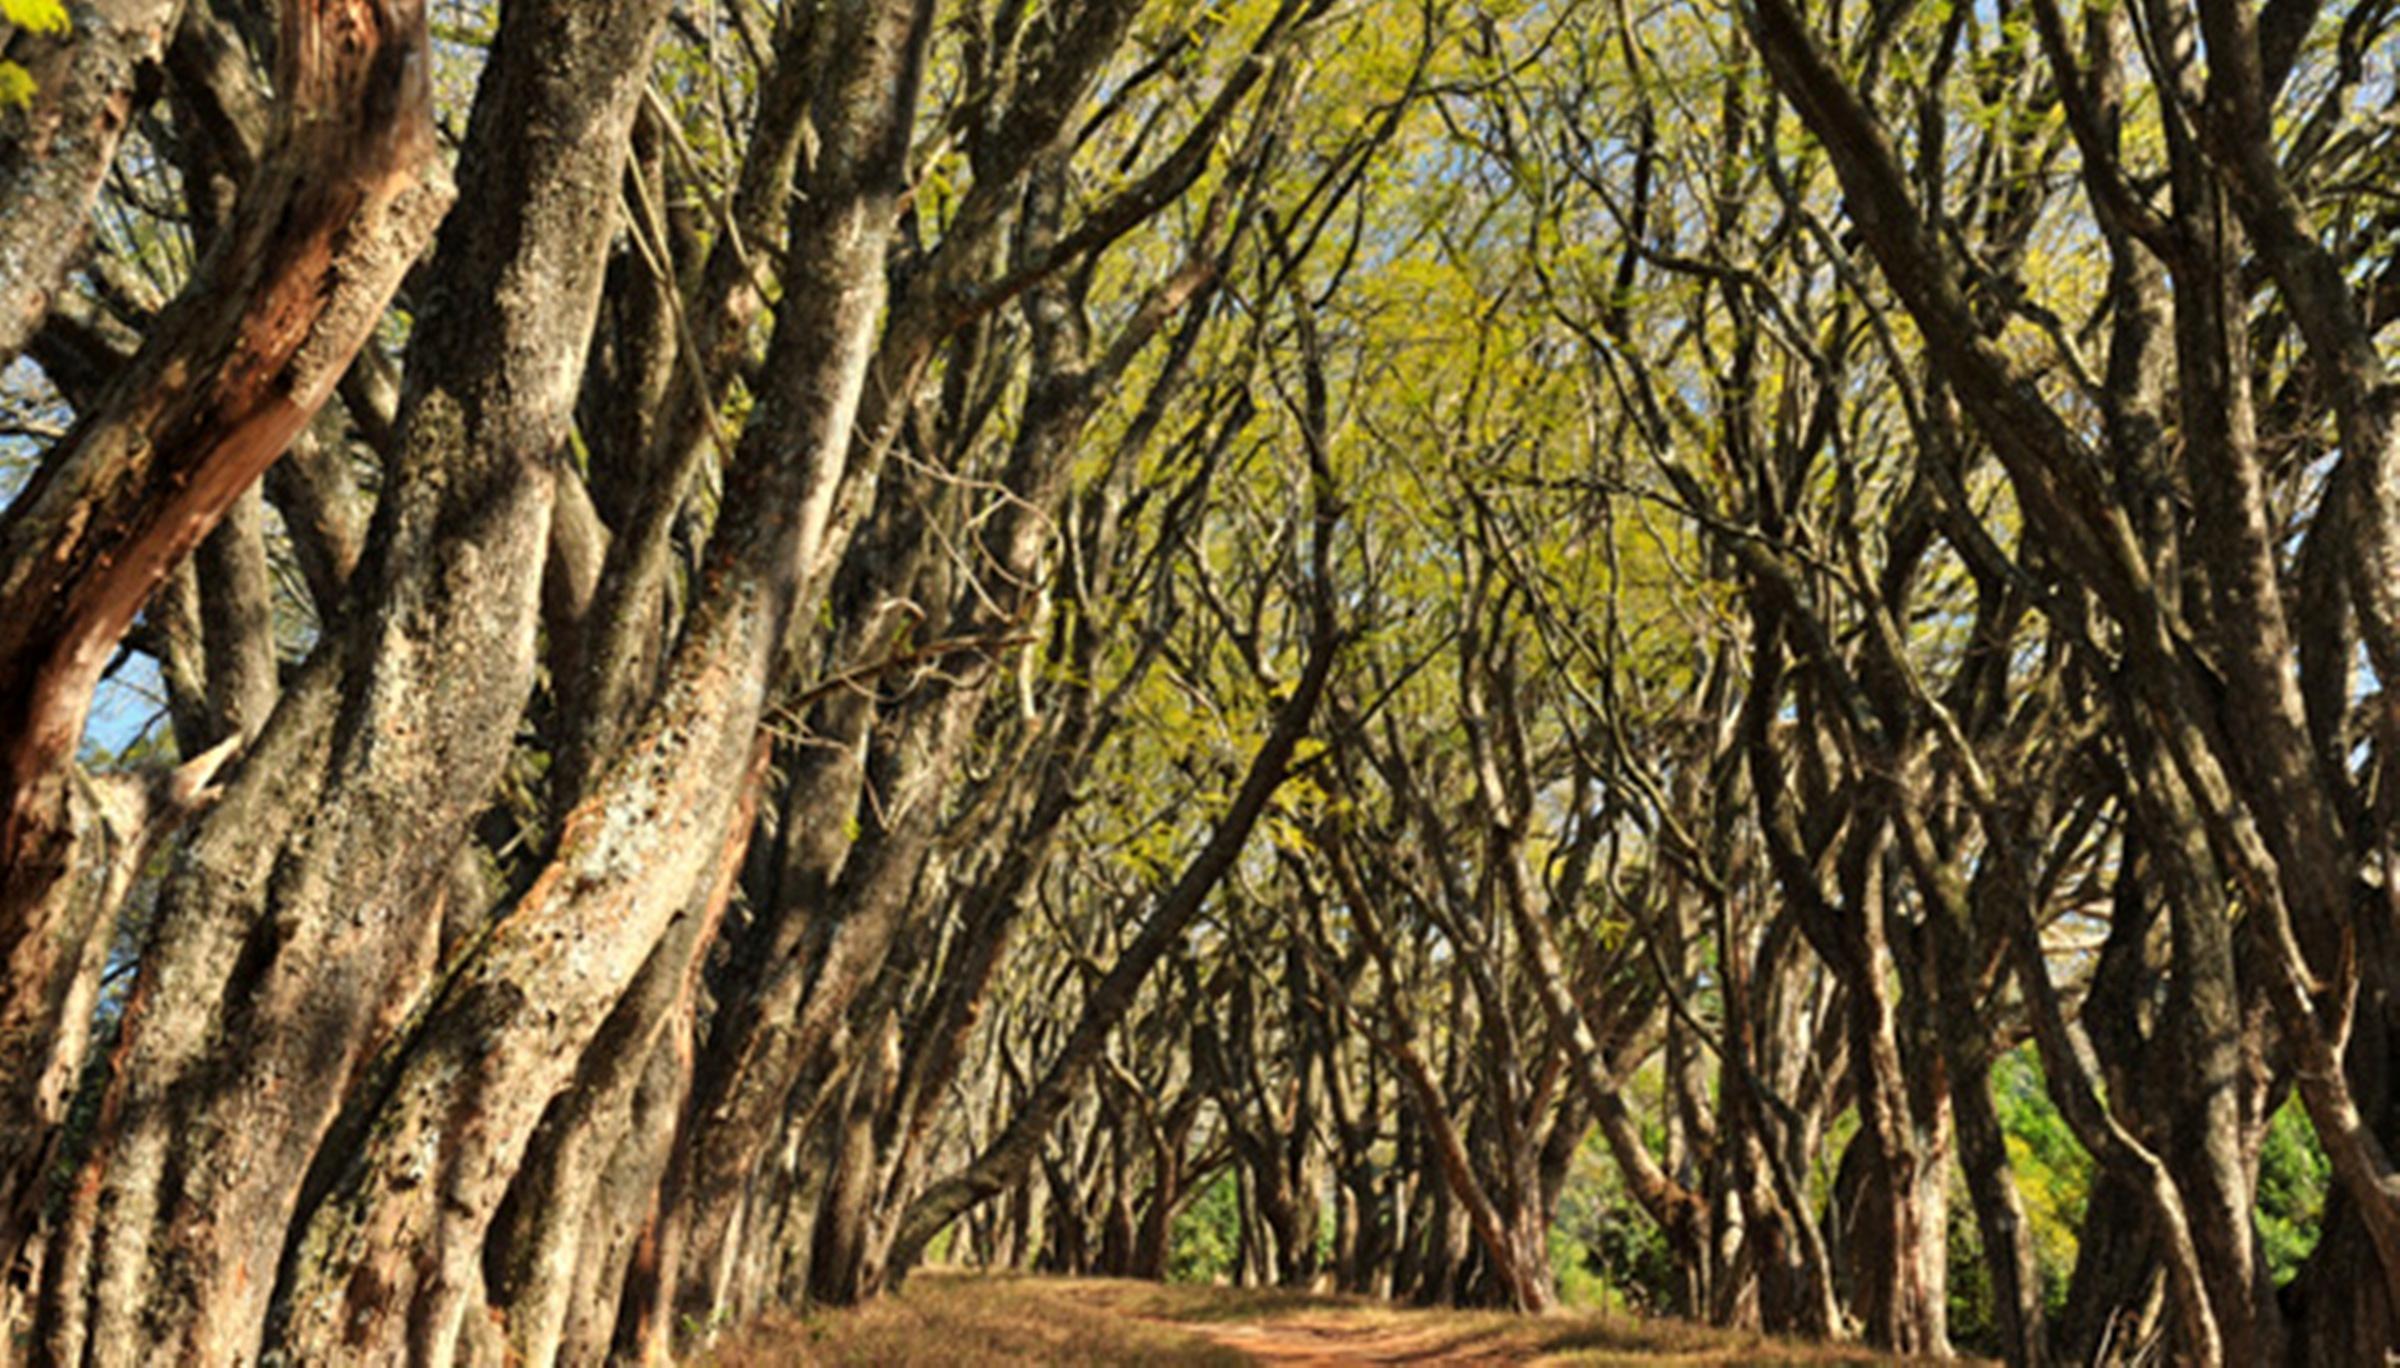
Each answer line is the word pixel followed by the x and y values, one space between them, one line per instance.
pixel 972 1319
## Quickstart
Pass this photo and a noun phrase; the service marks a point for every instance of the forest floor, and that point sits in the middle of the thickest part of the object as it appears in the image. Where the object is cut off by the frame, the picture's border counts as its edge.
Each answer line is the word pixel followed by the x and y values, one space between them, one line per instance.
pixel 972 1319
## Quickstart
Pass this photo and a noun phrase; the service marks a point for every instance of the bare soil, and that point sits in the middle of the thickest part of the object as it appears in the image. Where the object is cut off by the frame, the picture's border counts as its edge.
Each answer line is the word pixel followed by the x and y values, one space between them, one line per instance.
pixel 973 1319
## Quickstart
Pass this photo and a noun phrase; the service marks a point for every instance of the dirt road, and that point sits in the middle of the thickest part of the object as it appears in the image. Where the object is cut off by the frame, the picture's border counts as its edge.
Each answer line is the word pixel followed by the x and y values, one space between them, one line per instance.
pixel 1305 1343
pixel 953 1320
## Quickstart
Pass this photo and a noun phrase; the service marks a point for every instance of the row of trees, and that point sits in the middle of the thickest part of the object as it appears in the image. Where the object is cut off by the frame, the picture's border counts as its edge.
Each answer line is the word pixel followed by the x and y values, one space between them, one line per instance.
pixel 795 639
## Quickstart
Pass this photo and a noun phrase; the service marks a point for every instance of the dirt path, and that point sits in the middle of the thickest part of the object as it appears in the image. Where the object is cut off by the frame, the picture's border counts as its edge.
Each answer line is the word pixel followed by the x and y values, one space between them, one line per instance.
pixel 1298 1330
pixel 1310 1333
pixel 1305 1343
pixel 963 1320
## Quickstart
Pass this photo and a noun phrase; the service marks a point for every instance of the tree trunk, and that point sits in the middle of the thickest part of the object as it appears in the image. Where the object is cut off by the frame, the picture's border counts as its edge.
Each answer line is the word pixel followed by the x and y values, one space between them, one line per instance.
pixel 346 199
pixel 85 82
pixel 1009 1156
pixel 390 1253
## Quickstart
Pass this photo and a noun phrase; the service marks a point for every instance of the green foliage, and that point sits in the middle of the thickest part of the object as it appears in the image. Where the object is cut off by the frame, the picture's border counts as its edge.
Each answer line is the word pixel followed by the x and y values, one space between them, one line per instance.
pixel 1578 1272
pixel 1206 1238
pixel 1972 1325
pixel 2293 1175
pixel 2053 1175
pixel 1605 1251
pixel 2052 1171
pixel 37 16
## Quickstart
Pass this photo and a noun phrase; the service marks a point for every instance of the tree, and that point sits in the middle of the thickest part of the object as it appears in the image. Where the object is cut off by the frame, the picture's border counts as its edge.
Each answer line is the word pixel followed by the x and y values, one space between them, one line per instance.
pixel 945 632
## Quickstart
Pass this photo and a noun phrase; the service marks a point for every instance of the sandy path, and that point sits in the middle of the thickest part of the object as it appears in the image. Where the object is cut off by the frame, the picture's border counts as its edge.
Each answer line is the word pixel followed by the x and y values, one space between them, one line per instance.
pixel 1306 1340
pixel 1300 1342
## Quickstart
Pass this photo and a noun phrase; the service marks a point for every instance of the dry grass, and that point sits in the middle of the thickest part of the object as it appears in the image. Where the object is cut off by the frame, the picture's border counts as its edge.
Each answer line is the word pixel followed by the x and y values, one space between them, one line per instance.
pixel 962 1319
pixel 969 1319
pixel 1294 1328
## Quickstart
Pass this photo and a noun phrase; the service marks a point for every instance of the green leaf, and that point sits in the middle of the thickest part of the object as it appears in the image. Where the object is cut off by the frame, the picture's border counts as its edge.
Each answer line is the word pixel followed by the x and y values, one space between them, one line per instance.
pixel 38 16
pixel 34 16
pixel 16 87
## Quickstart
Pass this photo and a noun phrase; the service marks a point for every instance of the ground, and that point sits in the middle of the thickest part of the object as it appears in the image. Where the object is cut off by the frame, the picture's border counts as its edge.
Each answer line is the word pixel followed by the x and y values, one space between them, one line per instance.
pixel 955 1320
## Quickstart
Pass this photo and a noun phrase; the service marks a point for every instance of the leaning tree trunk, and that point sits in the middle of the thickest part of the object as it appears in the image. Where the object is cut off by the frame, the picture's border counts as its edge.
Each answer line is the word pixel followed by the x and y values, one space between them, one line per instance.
pixel 345 199
pixel 566 1229
pixel 1011 1155
pixel 306 914
pixel 391 1258
pixel 85 84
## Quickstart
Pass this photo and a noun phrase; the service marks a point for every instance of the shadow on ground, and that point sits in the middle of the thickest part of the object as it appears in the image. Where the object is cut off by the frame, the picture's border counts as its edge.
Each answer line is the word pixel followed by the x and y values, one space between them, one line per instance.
pixel 974 1319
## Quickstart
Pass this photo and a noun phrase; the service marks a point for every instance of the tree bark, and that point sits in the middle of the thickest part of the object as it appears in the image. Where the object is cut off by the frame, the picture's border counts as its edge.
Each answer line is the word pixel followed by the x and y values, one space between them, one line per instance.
pixel 60 148
pixel 390 1253
pixel 344 201
pixel 1008 1157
